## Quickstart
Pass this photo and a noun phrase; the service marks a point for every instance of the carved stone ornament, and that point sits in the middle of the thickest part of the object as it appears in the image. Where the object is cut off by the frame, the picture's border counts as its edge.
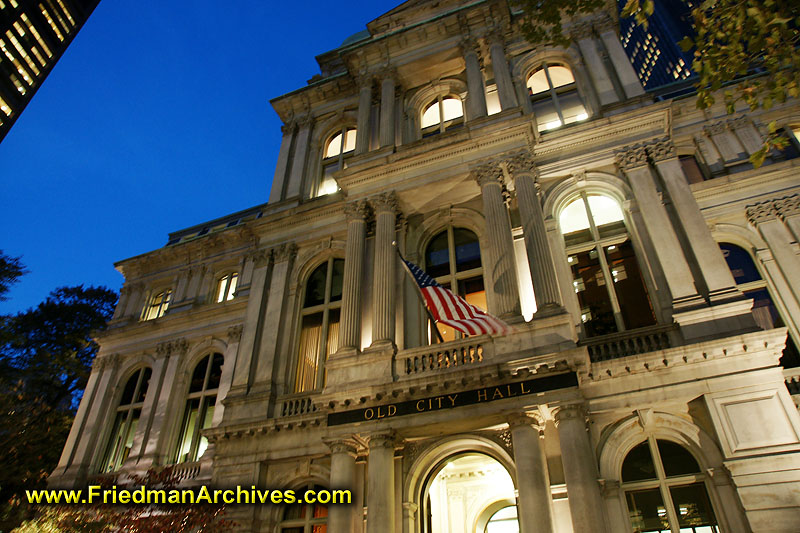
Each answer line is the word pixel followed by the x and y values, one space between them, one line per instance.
pixel 606 23
pixel 288 128
pixel 105 361
pixel 788 207
pixel 522 162
pixel 357 210
pixel 235 333
pixel 582 30
pixel 470 44
pixel 284 252
pixel 762 212
pixel 347 446
pixel 525 419
pixel 167 348
pixel 569 412
pixel 662 150
pixel 487 174
pixel 715 129
pixel 384 203
pixel 382 440
pixel 632 157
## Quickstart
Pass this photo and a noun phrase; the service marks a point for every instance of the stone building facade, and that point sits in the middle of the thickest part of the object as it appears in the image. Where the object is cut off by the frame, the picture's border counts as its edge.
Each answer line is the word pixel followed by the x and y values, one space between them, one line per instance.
pixel 650 274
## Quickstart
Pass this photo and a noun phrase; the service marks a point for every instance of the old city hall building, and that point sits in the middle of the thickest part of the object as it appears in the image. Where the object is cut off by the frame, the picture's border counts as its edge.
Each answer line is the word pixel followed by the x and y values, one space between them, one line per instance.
pixel 650 274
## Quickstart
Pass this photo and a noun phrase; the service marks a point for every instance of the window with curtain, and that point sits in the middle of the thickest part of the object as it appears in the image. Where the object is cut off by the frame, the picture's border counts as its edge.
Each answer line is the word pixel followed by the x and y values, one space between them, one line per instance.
pixel 126 420
pixel 304 517
pixel 443 113
pixel 453 259
pixel 199 411
pixel 665 490
pixel 748 279
pixel 605 272
pixel 319 324
pixel 338 147
pixel 554 96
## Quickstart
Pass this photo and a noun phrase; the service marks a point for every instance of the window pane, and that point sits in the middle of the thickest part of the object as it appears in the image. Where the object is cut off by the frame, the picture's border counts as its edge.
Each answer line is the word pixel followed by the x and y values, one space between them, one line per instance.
pixel 128 446
pixel 629 287
pixel 472 291
pixel 546 115
pixel 452 108
pixel 492 100
pixel 294 512
pixel 232 286
pixel 692 505
pixel 572 107
pixel 604 210
pixel 199 375
pixel 327 183
pixel 691 169
pixel 597 314
pixel 334 146
pixel 537 83
pixel 114 444
pixel 431 117
pixel 574 219
pixel 676 459
pixel 142 392
pixel 337 279
pixel 187 432
pixel 333 331
pixel 647 512
pixel 222 284
pixel 130 389
pixel 310 339
pixel 216 371
pixel 468 250
pixel 315 287
pixel 560 75
pixel 349 140
pixel 437 258
pixel 638 464
pixel 740 262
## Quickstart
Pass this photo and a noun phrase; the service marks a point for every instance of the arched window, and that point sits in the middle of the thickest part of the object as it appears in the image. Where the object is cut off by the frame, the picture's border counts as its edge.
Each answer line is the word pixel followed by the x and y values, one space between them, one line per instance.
pixel 749 281
pixel 555 97
pixel 199 411
pixel 453 259
pixel 338 147
pixel 226 287
pixel 665 490
pixel 445 112
pixel 157 305
pixel 319 324
pixel 503 521
pixel 605 273
pixel 126 420
pixel 304 517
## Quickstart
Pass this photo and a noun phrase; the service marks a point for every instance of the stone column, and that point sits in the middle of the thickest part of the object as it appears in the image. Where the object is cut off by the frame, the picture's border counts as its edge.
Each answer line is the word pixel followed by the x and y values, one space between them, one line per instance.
pixel 498 253
pixel 383 297
pixel 502 75
pixel 476 91
pixel 540 259
pixel 146 419
pixel 580 470
pixel 668 249
pixel 766 218
pixel 380 480
pixel 533 483
pixel 279 180
pixel 603 86
pixel 242 378
pixel 155 447
pixel 715 270
pixel 387 108
pixel 364 109
pixel 343 518
pixel 631 83
pixel 295 184
pixel 350 324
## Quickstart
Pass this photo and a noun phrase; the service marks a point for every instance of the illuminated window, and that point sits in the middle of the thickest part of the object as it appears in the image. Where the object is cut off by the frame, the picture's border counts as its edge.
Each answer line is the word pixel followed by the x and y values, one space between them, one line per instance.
pixel 503 521
pixel 158 305
pixel 319 324
pixel 22 52
pixel 4 107
pixel 665 490
pixel 52 23
pixel 599 249
pixel 36 35
pixel 445 112
pixel 339 147
pixel 303 517
pixel 17 64
pixel 199 412
pixel 226 287
pixel 453 259
pixel 492 100
pixel 555 97
pixel 748 279
pixel 126 420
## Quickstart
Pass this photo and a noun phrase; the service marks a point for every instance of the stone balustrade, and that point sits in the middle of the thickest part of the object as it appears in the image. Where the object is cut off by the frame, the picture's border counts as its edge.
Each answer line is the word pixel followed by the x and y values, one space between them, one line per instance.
pixel 296 404
pixel 627 343
pixel 444 356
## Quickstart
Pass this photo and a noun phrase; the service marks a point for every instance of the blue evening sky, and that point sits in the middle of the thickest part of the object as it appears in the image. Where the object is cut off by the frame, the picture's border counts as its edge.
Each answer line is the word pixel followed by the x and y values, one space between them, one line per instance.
pixel 154 120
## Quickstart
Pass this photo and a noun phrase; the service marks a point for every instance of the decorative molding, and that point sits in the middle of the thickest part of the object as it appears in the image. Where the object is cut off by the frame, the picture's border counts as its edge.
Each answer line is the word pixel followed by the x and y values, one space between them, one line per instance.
pixel 789 206
pixel 385 202
pixel 284 252
pixel 632 157
pixel 526 419
pixel 570 411
pixel 167 348
pixel 487 173
pixel 346 446
pixel 581 30
pixel 662 150
pixel 356 211
pixel 107 361
pixel 382 440
pixel 715 129
pixel 762 212
pixel 235 333
pixel 522 162
pixel 288 128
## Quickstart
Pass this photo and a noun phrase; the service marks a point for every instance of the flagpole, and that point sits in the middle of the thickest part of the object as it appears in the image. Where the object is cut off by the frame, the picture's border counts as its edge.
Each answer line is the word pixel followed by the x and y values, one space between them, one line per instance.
pixel 419 293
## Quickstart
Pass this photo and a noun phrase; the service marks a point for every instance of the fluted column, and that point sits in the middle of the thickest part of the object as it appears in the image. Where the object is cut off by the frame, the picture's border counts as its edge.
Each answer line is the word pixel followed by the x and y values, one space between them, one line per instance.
pixel 668 249
pixel 580 470
pixel 342 518
pixel 533 483
pixel 387 108
pixel 715 270
pixel 540 259
pixel 383 297
pixel 502 75
pixel 364 110
pixel 498 253
pixel 766 218
pixel 476 95
pixel 603 86
pixel 380 480
pixel 350 325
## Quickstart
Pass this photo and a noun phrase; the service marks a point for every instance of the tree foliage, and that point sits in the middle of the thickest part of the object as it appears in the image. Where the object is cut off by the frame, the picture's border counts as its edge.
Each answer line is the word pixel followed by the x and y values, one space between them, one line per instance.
pixel 11 269
pixel 751 42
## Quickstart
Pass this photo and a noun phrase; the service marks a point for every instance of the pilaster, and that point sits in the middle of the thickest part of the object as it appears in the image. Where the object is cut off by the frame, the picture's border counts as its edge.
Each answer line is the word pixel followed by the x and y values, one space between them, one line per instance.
pixel 533 483
pixel 604 88
pixel 282 165
pixel 476 91
pixel 388 77
pixel 383 293
pixel 303 136
pixel 502 74
pixel 350 325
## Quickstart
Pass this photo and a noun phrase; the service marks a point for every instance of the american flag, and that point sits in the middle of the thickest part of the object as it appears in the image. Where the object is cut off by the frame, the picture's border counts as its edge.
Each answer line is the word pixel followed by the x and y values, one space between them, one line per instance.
pixel 452 310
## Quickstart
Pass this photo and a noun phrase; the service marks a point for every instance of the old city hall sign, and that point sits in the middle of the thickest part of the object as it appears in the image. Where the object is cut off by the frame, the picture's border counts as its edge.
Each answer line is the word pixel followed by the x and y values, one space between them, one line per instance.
pixel 455 399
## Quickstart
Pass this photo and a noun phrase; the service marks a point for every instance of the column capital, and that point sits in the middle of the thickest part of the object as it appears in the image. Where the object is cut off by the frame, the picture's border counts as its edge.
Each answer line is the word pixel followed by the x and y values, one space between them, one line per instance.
pixel 469 43
pixel 522 162
pixel 788 207
pixel 288 127
pixel 631 157
pixel 662 150
pixel 762 212
pixel 105 361
pixel 176 346
pixel 382 440
pixel 581 30
pixel 260 257
pixel 343 445
pixel 235 333
pixel 606 23
pixel 487 174
pixel 284 252
pixel 715 129
pixel 609 487
pixel 386 72
pixel 356 211
pixel 384 203
pixel 305 120
pixel 364 79
pixel 570 411
pixel 533 420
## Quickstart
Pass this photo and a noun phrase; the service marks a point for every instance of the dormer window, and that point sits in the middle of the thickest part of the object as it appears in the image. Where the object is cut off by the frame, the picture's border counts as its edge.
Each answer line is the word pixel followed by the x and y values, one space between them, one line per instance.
pixel 446 112
pixel 339 147
pixel 555 97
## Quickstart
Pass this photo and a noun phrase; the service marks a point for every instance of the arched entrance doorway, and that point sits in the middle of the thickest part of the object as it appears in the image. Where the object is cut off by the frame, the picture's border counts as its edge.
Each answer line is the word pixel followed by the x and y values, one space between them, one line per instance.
pixel 469 492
